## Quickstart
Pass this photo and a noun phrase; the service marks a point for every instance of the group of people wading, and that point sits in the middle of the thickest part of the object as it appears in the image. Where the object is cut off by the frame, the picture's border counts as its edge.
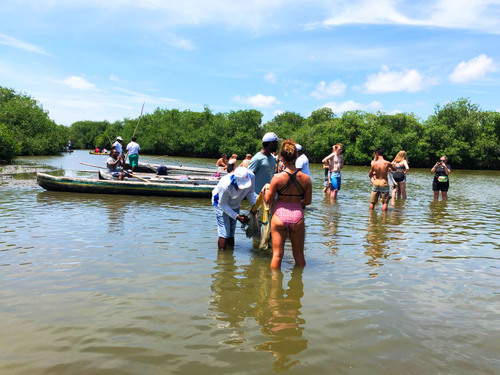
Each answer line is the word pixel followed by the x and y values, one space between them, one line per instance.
pixel 289 188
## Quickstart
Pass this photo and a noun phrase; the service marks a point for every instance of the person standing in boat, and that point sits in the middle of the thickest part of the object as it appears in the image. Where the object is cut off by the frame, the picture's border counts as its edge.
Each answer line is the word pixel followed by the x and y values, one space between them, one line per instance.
pixel 226 201
pixel 115 163
pixel 133 154
pixel 119 145
pixel 263 162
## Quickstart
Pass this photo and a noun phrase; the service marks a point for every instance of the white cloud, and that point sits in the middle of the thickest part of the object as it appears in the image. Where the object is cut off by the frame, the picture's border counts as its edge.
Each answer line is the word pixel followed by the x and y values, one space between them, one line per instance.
pixel 481 15
pixel 271 78
pixel 278 112
pixel 351 105
pixel 113 77
pixel 324 90
pixel 259 100
pixel 16 43
pixel 78 83
pixel 409 80
pixel 473 69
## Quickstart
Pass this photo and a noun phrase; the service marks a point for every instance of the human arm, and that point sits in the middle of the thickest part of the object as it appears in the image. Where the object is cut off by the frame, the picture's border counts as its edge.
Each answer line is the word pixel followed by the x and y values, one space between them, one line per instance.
pixel 307 194
pixel 270 192
pixel 328 157
pixel 407 166
pixel 223 204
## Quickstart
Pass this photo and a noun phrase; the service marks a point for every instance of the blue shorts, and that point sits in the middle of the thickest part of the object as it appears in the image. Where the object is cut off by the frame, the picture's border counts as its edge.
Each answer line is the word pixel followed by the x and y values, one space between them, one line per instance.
pixel 226 226
pixel 335 180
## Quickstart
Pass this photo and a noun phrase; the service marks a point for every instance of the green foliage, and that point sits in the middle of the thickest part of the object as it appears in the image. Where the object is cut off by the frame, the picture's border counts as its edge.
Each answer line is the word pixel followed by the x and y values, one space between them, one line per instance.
pixel 460 130
pixel 9 148
pixel 25 120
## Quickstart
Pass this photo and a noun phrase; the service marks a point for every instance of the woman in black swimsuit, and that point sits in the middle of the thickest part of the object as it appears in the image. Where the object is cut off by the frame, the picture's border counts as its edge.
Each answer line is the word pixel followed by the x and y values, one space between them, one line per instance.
pixel 441 181
pixel 401 164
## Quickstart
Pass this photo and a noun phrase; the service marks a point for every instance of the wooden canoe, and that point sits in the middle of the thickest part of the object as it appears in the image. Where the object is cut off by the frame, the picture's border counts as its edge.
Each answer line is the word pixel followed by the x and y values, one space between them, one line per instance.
pixel 196 180
pixel 98 153
pixel 153 168
pixel 88 185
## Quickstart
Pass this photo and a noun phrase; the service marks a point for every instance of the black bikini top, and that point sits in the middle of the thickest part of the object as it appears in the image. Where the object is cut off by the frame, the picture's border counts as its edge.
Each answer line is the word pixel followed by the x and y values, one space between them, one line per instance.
pixel 292 181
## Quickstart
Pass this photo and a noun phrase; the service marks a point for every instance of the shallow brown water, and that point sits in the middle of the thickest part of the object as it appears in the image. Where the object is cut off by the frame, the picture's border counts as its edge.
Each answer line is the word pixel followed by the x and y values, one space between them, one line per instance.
pixel 100 284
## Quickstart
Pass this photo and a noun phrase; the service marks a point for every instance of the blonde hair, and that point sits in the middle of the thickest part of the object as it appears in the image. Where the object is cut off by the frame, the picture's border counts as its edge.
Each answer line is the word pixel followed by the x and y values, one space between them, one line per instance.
pixel 288 150
pixel 400 157
pixel 234 156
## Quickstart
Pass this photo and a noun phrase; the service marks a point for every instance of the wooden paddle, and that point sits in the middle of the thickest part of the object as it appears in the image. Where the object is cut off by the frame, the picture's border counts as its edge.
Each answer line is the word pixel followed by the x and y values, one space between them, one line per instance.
pixel 130 174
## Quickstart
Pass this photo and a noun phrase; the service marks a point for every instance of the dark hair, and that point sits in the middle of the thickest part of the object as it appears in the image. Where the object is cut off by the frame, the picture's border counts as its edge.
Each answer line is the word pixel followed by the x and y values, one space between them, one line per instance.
pixel 265 144
pixel 379 151
pixel 288 150
pixel 133 139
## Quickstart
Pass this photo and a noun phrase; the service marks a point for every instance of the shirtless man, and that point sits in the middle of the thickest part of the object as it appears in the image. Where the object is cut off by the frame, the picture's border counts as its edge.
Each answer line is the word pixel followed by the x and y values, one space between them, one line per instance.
pixel 378 174
pixel 336 162
pixel 222 162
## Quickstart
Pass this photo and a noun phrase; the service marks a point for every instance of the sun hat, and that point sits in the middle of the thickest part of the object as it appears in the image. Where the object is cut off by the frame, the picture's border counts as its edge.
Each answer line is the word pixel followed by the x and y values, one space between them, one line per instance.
pixel 119 139
pixel 242 177
pixel 298 147
pixel 271 137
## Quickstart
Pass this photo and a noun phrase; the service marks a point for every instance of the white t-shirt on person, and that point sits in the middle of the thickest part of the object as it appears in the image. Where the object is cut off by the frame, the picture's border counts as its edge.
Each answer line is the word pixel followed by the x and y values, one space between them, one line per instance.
pixel 302 163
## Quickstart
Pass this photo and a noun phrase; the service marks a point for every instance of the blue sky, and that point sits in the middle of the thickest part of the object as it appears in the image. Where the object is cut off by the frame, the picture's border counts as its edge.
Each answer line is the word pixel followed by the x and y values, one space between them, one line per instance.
pixel 101 60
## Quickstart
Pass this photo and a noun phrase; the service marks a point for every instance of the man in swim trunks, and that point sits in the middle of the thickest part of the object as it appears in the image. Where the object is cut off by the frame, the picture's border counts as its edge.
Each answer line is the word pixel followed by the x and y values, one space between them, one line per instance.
pixel 133 154
pixel 226 201
pixel 336 163
pixel 378 174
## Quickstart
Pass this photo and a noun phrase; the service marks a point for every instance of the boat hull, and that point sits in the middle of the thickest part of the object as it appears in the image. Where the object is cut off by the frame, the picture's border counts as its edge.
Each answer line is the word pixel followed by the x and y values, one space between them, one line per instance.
pixel 94 186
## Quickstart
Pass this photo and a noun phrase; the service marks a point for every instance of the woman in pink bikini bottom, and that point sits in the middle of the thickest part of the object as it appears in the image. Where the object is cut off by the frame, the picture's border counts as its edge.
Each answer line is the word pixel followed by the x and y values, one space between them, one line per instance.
pixel 294 192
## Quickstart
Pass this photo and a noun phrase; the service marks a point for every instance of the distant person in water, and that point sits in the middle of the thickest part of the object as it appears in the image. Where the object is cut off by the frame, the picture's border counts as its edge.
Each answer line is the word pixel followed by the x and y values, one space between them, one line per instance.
pixel 378 175
pixel 402 167
pixel 441 182
pixel 336 163
pixel 133 154
pixel 115 163
pixel 302 162
pixel 222 162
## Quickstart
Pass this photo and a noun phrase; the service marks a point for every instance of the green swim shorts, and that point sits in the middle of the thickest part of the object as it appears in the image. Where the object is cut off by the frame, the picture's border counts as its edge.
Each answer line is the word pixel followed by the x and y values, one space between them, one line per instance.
pixel 133 160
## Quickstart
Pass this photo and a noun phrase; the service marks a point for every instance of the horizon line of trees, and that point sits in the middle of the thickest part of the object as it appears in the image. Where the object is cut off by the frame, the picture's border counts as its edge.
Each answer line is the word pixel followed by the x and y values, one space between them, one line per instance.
pixel 463 132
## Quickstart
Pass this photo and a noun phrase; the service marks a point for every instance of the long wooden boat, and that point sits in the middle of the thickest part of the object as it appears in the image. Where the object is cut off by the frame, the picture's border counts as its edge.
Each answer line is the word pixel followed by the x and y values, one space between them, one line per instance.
pixel 179 179
pixel 153 168
pixel 88 185
pixel 92 152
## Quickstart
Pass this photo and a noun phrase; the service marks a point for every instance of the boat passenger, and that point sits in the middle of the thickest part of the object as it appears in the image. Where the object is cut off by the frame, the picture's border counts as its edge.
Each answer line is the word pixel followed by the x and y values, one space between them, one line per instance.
pixel 246 161
pixel 231 164
pixel 133 154
pixel 119 145
pixel 115 163
pixel 222 162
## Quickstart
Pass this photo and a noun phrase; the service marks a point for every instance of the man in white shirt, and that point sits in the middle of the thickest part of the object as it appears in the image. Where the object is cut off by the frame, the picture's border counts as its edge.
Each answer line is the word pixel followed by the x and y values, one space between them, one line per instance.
pixel 302 162
pixel 133 154
pixel 118 145
pixel 226 200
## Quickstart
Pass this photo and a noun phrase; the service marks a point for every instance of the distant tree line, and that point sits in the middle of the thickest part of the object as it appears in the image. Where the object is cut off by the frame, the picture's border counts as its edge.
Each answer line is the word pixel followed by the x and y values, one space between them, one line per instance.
pixel 460 130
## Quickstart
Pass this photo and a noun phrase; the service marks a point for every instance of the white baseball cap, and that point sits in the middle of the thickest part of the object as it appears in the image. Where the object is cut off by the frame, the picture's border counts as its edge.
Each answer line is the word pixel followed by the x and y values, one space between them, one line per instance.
pixel 119 139
pixel 298 147
pixel 271 137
